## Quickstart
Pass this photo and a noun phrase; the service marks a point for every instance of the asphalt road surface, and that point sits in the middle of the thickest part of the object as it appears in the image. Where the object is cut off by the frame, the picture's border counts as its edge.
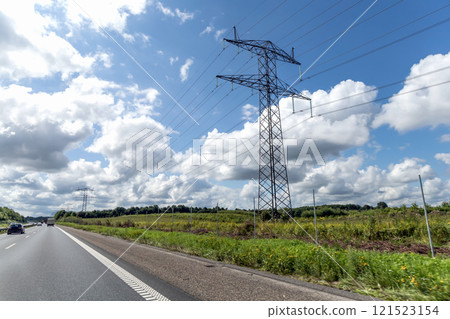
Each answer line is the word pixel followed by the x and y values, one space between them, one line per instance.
pixel 46 264
pixel 61 263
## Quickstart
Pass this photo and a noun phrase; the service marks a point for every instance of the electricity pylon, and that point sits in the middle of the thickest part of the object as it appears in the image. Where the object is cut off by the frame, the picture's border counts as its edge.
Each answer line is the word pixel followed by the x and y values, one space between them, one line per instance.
pixel 85 197
pixel 273 190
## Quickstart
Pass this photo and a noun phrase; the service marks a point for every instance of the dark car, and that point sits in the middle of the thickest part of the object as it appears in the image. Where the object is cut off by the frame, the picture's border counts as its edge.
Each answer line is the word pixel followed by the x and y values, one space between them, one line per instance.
pixel 16 228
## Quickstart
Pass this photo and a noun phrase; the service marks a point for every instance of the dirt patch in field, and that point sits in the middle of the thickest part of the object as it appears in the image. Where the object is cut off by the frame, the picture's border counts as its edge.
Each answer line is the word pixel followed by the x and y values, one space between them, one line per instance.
pixel 389 246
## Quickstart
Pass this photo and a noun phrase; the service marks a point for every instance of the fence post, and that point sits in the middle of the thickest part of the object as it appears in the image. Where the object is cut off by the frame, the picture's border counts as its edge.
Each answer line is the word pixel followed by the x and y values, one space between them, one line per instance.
pixel 254 218
pixel 315 218
pixel 426 217
pixel 217 226
pixel 172 218
pixel 191 220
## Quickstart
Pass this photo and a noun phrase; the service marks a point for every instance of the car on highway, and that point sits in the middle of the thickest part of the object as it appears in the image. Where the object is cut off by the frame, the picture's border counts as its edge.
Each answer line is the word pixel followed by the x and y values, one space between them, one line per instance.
pixel 16 228
pixel 39 224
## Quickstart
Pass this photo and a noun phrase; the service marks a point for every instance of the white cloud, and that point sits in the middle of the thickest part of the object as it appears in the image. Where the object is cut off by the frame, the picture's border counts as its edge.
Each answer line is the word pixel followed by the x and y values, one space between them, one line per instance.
pixel 408 171
pixel 445 138
pixel 128 37
pixel 332 133
pixel 30 50
pixel 207 30
pixel 172 60
pixel 427 107
pixel 249 111
pixel 184 70
pixel 103 13
pixel 182 15
pixel 445 157
pixel 219 33
pixel 165 10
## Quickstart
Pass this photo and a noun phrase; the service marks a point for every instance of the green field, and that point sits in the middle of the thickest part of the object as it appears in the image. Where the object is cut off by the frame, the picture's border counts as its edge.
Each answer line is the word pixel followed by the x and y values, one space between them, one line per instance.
pixel 384 230
pixel 384 253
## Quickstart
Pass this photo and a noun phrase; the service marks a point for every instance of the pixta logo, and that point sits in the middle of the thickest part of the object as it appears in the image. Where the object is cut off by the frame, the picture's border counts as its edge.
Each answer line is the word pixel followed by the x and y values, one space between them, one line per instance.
pixel 242 152
pixel 148 151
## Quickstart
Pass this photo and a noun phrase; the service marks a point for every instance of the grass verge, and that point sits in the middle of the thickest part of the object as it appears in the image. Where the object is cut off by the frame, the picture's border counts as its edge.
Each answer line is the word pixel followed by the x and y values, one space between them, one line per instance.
pixel 390 276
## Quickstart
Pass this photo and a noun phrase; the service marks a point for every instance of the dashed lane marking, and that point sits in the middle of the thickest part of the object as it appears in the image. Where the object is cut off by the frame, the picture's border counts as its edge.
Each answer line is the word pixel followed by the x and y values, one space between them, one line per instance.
pixel 10 246
pixel 144 290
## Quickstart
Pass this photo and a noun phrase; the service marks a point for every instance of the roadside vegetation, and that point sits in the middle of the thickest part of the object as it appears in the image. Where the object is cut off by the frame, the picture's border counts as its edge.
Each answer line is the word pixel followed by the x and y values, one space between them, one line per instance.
pixel 8 216
pixel 382 251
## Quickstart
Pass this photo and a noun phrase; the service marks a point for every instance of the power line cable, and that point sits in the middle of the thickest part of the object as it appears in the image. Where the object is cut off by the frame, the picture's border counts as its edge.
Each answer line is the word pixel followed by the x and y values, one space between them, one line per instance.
pixel 383 35
pixel 356 25
pixel 378 49
pixel 287 19
pixel 313 18
pixel 324 23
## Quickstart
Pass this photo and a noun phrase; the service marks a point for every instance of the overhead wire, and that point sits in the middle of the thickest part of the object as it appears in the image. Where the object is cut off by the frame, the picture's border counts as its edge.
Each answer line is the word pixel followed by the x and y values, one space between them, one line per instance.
pixel 408 79
pixel 383 35
pixel 195 170
pixel 312 19
pixel 287 19
pixel 356 25
pixel 324 23
pixel 271 11
pixel 353 59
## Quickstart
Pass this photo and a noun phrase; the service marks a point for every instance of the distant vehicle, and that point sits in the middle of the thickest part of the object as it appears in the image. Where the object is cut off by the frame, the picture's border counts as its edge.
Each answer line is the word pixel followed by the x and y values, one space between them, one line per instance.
pixel 39 224
pixel 50 221
pixel 16 228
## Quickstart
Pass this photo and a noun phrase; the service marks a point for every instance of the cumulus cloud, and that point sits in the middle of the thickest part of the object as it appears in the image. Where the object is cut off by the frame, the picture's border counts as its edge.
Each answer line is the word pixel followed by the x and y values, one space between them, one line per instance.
pixel 29 49
pixel 346 180
pixel 103 13
pixel 184 70
pixel 445 157
pixel 248 112
pixel 234 155
pixel 427 107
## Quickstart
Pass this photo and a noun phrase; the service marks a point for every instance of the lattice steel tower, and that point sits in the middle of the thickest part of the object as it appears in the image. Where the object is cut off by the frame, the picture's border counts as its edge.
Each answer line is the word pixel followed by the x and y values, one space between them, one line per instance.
pixel 85 197
pixel 273 190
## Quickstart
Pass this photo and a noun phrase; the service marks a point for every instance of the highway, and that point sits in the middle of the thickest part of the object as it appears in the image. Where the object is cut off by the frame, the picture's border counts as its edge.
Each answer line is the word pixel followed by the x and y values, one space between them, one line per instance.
pixel 46 264
pixel 61 263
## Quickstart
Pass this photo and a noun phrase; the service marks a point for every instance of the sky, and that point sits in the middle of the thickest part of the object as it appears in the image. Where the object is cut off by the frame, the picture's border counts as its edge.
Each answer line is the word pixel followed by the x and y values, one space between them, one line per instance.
pixel 122 97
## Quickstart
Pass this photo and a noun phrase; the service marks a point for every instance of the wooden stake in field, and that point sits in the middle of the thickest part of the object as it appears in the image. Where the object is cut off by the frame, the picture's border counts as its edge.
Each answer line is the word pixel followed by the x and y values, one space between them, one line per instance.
pixel 191 219
pixel 426 217
pixel 172 218
pixel 217 226
pixel 315 218
pixel 254 218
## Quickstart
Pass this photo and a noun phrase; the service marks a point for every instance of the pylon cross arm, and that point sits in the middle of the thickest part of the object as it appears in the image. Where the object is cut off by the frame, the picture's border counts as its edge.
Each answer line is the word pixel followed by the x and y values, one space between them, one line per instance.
pixel 264 47
pixel 254 81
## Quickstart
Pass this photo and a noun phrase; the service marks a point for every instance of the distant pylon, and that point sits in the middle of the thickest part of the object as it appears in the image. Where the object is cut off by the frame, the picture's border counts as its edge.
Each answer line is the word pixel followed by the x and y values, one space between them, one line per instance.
pixel 273 190
pixel 85 197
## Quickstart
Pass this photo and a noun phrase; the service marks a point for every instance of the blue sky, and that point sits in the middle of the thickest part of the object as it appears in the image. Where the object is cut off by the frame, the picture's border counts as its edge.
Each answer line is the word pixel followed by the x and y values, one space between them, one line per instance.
pixel 79 79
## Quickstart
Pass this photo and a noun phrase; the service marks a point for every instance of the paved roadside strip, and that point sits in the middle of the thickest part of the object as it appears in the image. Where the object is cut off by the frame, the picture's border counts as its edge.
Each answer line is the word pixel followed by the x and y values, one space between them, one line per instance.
pixel 210 280
pixel 145 291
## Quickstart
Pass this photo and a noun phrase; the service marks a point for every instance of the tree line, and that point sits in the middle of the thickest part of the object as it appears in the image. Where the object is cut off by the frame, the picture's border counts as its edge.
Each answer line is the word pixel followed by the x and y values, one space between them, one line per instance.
pixel 304 211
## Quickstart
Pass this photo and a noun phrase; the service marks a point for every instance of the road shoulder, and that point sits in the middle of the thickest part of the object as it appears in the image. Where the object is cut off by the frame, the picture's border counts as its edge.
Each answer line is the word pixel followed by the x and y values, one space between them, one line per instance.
pixel 211 280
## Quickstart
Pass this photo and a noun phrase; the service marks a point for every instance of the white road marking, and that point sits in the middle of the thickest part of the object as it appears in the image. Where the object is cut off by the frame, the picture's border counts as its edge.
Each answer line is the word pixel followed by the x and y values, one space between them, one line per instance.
pixel 144 290
pixel 27 236
pixel 10 246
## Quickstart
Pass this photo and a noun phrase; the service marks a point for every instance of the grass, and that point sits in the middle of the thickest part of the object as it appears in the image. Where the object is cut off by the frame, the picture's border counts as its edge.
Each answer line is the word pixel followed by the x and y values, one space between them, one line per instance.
pixel 397 227
pixel 391 276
